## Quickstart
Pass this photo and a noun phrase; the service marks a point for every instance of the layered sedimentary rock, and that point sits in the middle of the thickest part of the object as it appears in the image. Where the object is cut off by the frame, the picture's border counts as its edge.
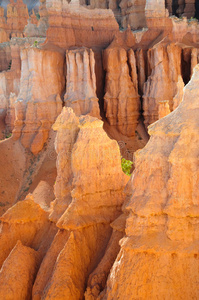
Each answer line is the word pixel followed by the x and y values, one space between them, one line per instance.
pixel 36 28
pixel 81 82
pixel 121 100
pixel 133 14
pixel 73 25
pixel 155 11
pixel 82 207
pixel 4 37
pixel 17 17
pixel 38 103
pixel 159 255
pixel 165 63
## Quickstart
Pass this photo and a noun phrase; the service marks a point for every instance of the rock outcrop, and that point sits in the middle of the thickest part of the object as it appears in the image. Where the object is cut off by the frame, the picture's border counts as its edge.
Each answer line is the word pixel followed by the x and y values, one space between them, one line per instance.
pixel 165 63
pixel 17 18
pixel 159 254
pixel 18 272
pixel 38 103
pixel 81 82
pixel 83 209
pixel 133 14
pixel 121 100
pixel 73 25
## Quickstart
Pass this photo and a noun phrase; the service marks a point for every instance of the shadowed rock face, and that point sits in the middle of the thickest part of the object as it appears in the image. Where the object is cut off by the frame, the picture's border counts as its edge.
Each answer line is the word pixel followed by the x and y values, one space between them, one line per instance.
pixel 162 228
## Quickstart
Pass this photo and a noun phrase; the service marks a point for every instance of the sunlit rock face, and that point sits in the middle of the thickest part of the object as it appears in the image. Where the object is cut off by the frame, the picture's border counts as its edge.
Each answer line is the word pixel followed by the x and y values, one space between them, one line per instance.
pixel 162 228
pixel 81 82
pixel 38 103
pixel 121 100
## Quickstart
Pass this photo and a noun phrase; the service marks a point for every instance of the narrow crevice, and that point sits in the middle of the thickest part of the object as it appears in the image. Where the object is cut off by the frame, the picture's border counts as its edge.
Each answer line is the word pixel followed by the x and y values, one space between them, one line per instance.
pixel 186 65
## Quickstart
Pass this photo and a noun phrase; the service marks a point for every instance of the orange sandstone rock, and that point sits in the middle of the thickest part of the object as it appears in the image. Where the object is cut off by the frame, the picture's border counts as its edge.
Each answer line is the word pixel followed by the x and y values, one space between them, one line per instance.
pixel 122 102
pixel 159 255
pixel 133 14
pixel 163 109
pixel 25 221
pixel 165 62
pixel 17 273
pixel 90 206
pixel 38 102
pixel 179 95
pixel 17 18
pixel 73 25
pixel 81 82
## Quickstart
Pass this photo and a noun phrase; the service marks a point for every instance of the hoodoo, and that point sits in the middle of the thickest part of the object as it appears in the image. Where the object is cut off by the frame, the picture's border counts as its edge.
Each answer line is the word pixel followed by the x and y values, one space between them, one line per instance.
pixel 99 169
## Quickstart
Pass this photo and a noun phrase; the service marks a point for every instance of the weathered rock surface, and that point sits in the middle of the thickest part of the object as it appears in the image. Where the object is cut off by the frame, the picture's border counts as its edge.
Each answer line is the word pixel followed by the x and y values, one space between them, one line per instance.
pixel 121 100
pixel 17 18
pixel 159 254
pixel 25 221
pixel 38 103
pixel 81 82
pixel 17 273
pixel 165 63
pixel 133 14
pixel 73 25
pixel 82 207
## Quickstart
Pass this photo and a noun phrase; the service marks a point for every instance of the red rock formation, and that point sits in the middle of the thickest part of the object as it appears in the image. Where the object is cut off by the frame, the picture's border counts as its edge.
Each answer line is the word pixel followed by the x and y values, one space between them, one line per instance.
pixel 81 82
pixel 165 62
pixel 74 25
pixel 189 10
pixel 33 18
pixel 163 109
pixel 178 97
pixel 25 221
pixel 38 103
pixel 3 26
pixel 158 257
pixel 89 206
pixel 155 11
pixel 17 17
pixel 121 93
pixel 133 14
pixel 18 272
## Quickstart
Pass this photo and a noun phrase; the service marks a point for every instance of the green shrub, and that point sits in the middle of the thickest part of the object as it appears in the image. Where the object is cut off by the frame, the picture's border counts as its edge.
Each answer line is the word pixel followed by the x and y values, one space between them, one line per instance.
pixel 8 135
pixel 35 43
pixel 38 16
pixel 126 166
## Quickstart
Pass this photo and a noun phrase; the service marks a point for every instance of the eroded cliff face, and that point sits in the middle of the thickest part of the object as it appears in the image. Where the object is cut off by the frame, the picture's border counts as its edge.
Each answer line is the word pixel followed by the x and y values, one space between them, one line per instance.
pixel 122 102
pixel 161 229
pixel 38 103
pixel 81 83
pixel 78 89
pixel 82 211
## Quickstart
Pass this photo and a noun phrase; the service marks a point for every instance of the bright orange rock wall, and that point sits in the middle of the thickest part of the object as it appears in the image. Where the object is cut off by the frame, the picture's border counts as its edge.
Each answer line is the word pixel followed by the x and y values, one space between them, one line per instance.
pixel 38 102
pixel 159 255
pixel 81 82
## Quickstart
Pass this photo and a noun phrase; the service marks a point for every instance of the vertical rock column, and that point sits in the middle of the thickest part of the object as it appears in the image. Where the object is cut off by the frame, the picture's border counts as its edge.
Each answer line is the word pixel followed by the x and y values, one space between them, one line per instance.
pixel 38 103
pixel 165 62
pixel 121 100
pixel 81 82
pixel 133 13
